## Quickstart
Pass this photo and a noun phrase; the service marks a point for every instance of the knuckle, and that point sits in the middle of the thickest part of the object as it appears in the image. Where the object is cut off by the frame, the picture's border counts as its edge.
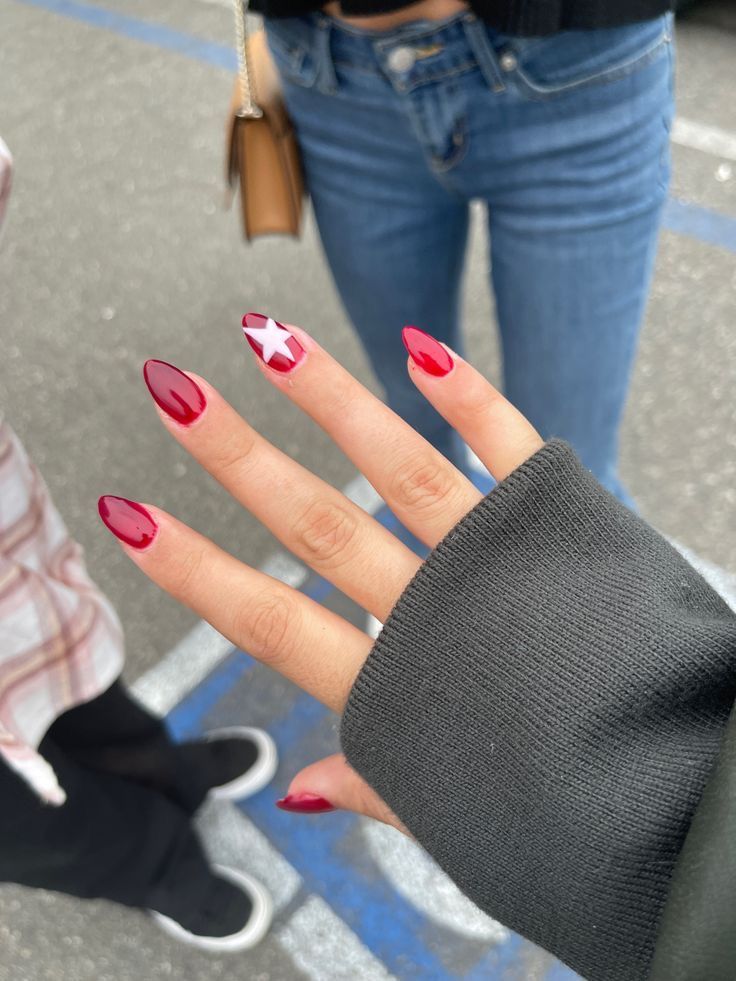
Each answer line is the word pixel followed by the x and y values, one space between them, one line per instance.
pixel 325 531
pixel 421 484
pixel 270 624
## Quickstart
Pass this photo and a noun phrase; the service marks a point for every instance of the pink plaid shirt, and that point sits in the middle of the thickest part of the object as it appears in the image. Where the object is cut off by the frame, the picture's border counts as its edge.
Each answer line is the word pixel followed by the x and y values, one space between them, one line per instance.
pixel 60 640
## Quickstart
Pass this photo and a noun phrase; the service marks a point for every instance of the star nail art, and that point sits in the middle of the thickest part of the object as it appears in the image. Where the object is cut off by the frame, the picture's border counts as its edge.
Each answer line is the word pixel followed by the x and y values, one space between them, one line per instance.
pixel 274 344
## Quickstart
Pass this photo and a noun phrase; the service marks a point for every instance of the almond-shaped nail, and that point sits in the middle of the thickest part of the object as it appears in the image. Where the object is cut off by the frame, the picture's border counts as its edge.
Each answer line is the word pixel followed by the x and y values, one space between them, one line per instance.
pixel 305 804
pixel 273 343
pixel 427 353
pixel 174 392
pixel 127 520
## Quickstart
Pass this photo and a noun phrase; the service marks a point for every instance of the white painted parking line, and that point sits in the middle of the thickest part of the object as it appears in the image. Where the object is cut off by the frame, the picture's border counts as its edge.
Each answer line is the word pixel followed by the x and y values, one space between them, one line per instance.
pixel 184 667
pixel 231 839
pixel 707 139
pixel 723 582
pixel 285 568
pixel 360 492
pixel 203 648
pixel 325 948
pixel 320 944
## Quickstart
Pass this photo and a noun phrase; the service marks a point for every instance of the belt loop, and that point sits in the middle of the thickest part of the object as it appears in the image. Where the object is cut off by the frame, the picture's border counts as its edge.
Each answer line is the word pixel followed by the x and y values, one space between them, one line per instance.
pixel 477 35
pixel 326 80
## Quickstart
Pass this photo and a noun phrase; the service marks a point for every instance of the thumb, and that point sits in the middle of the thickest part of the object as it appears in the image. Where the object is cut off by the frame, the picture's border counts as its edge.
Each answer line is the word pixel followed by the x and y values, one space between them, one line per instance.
pixel 332 783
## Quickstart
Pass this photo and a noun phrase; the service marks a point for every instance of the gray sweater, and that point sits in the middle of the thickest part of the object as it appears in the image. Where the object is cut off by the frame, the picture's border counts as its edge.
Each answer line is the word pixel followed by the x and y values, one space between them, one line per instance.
pixel 543 708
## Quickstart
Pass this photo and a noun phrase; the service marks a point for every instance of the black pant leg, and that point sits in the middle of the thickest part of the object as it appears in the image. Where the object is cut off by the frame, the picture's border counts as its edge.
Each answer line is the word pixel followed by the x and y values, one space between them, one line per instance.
pixel 113 717
pixel 113 733
pixel 112 839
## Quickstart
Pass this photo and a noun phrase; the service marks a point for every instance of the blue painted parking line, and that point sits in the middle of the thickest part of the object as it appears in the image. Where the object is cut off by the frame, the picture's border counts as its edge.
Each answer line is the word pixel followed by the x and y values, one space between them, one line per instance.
pixel 149 32
pixel 700 223
pixel 682 217
pixel 185 721
pixel 314 848
pixel 324 850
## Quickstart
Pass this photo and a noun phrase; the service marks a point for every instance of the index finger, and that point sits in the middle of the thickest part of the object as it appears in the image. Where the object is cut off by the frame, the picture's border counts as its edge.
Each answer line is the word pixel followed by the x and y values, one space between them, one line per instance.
pixel 493 428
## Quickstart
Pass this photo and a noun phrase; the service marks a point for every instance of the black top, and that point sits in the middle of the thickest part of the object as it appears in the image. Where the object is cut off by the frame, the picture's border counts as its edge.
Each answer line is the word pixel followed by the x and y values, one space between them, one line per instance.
pixel 543 709
pixel 518 17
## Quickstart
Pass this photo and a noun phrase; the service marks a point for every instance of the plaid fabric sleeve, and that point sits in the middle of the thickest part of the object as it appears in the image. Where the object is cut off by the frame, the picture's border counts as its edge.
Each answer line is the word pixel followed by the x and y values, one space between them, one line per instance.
pixel 60 639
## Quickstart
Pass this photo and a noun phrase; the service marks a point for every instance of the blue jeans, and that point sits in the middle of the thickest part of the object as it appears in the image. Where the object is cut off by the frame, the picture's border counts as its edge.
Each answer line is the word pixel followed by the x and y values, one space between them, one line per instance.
pixel 564 139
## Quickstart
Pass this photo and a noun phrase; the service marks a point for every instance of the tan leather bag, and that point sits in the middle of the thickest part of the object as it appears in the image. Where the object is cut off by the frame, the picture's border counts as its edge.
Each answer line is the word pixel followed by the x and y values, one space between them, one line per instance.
pixel 262 154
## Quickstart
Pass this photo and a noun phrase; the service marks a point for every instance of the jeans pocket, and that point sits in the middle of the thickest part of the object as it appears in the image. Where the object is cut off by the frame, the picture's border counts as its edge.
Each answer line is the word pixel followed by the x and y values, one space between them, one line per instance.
pixel 290 40
pixel 544 68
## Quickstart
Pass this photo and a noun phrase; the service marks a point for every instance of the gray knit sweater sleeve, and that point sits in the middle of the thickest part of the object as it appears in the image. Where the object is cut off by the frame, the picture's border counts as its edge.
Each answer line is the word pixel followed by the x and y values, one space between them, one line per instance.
pixel 542 710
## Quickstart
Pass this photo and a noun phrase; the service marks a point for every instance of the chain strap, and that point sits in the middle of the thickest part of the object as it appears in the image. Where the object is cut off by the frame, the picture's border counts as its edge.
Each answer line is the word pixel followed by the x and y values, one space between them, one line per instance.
pixel 249 108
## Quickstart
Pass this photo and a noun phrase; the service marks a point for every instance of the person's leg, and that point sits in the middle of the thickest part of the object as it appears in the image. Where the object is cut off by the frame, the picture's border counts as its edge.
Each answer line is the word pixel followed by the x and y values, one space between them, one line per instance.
pixel 573 225
pixel 394 237
pixel 114 734
pixel 112 838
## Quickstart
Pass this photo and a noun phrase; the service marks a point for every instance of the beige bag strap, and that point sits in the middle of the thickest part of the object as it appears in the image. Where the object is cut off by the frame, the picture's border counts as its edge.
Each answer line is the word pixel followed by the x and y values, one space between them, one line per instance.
pixel 249 108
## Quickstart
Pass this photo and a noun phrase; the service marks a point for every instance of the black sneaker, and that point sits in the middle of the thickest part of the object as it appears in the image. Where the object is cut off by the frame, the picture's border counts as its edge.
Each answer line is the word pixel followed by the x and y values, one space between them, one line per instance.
pixel 233 763
pixel 229 764
pixel 234 914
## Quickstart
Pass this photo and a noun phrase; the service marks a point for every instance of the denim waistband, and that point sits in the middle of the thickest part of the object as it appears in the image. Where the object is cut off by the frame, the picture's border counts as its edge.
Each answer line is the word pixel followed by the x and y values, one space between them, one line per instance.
pixel 409 55
pixel 422 51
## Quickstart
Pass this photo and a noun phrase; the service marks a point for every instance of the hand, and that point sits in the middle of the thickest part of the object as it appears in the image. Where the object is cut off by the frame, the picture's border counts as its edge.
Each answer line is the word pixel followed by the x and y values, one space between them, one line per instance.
pixel 310 645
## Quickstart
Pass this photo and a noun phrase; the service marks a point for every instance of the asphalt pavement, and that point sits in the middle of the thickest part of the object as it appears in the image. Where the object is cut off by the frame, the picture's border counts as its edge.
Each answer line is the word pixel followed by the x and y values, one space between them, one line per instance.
pixel 117 249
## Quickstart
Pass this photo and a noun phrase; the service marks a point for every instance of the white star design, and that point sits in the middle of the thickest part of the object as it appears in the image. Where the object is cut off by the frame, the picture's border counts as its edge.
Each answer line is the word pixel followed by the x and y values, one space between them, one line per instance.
pixel 272 339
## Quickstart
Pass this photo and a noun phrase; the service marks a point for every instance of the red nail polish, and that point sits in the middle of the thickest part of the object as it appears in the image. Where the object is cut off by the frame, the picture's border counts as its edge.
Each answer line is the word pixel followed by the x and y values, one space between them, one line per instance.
pixel 174 392
pixel 305 804
pixel 427 353
pixel 272 342
pixel 128 521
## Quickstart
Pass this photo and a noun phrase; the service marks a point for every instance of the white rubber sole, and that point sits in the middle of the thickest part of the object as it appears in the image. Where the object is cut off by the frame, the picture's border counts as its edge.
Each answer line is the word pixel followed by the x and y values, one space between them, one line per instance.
pixel 373 626
pixel 251 934
pixel 259 775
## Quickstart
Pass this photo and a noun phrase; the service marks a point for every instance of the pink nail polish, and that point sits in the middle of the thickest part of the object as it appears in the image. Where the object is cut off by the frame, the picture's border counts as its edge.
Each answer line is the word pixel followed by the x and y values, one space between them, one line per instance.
pixel 174 392
pixel 305 804
pixel 272 342
pixel 127 520
pixel 427 353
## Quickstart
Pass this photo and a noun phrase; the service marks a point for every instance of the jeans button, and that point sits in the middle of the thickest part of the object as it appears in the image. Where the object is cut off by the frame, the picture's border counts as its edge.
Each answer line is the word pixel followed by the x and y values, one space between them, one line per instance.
pixel 508 61
pixel 401 59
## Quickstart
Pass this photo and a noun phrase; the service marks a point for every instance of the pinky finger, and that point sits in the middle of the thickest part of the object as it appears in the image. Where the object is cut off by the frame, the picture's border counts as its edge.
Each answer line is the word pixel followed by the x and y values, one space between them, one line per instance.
pixel 313 647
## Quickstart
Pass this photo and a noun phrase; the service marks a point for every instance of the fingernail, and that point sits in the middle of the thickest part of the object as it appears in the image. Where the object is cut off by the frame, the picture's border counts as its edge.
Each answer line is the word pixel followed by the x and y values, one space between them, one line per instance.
pixel 128 521
pixel 427 353
pixel 174 392
pixel 272 342
pixel 305 804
